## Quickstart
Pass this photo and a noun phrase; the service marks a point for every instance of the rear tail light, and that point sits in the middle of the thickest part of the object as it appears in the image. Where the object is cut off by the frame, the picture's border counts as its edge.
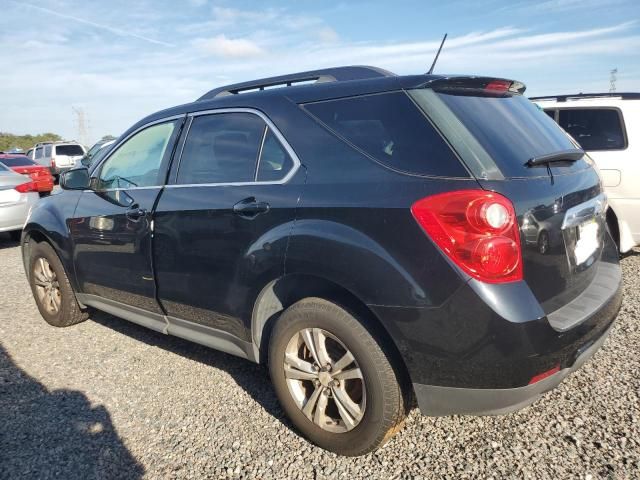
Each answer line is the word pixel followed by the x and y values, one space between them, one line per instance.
pixel 543 375
pixel 53 162
pixel 27 187
pixel 477 230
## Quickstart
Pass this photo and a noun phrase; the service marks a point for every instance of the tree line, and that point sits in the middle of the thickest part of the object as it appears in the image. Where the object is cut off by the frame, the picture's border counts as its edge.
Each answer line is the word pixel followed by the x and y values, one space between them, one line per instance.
pixel 9 141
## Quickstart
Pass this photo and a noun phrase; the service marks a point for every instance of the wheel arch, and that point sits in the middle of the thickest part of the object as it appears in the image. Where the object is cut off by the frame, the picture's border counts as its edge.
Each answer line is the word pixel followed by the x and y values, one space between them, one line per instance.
pixel 283 292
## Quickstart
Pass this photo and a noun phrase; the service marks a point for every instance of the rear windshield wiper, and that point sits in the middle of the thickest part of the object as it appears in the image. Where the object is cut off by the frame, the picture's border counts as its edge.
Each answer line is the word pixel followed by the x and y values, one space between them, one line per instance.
pixel 563 156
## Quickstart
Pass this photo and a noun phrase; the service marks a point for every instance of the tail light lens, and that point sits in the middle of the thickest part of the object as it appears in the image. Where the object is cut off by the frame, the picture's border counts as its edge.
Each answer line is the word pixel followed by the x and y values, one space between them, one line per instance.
pixel 53 162
pixel 27 187
pixel 477 230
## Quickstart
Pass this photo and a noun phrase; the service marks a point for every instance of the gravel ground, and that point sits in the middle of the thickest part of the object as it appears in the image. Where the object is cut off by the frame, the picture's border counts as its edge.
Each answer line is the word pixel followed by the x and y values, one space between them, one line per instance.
pixel 109 399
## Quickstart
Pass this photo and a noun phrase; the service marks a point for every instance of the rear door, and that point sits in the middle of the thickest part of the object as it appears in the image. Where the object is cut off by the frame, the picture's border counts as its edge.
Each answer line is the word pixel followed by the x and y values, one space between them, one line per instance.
pixel 560 205
pixel 111 228
pixel 221 226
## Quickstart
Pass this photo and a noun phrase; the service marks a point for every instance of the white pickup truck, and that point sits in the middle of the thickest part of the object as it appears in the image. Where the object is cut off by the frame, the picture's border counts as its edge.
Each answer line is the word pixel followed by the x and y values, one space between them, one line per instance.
pixel 607 126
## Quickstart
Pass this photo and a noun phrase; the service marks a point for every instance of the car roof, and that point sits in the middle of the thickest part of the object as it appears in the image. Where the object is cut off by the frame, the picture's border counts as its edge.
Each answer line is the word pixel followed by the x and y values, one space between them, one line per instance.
pixel 310 86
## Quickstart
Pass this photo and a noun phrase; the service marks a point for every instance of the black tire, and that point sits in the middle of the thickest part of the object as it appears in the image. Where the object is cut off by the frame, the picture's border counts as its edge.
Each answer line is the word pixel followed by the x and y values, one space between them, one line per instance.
pixel 69 312
pixel 15 235
pixel 385 408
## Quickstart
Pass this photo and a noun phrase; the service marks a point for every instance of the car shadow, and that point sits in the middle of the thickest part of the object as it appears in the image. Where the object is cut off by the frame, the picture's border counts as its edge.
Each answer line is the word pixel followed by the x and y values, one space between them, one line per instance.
pixel 56 433
pixel 6 242
pixel 251 377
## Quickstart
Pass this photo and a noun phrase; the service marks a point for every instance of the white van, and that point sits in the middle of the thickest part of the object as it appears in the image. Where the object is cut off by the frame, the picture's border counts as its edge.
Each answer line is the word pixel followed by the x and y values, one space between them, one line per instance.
pixel 607 126
pixel 58 156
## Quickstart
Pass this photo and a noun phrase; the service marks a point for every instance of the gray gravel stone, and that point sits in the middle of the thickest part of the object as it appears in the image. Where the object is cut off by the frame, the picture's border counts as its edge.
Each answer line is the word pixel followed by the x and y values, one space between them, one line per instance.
pixel 109 399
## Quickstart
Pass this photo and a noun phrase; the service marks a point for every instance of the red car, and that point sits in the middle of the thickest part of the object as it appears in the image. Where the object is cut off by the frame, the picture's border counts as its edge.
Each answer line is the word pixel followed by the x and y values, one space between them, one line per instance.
pixel 40 175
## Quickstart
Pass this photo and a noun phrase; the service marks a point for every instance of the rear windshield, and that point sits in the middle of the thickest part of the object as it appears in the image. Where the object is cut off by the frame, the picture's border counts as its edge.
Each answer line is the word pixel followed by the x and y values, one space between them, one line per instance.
pixel 69 150
pixel 390 129
pixel 500 130
pixel 594 128
pixel 17 161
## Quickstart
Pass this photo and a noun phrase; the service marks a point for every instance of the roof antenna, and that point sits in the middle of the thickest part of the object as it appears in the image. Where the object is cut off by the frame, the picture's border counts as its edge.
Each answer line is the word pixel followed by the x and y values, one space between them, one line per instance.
pixel 433 65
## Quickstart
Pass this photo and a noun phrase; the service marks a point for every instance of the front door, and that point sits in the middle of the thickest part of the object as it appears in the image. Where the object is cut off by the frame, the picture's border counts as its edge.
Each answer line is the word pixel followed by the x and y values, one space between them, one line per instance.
pixel 111 229
pixel 221 226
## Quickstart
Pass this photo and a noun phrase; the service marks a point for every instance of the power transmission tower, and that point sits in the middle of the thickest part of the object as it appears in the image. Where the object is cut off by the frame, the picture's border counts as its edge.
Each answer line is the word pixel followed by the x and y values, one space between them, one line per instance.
pixel 612 80
pixel 81 123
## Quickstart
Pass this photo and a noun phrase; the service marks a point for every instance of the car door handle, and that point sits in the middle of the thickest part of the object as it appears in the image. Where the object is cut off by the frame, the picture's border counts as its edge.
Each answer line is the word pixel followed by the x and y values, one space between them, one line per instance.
pixel 250 208
pixel 135 213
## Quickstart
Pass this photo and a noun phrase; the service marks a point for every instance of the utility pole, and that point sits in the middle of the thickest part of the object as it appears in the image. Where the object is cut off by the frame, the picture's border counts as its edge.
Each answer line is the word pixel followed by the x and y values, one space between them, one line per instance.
pixel 612 80
pixel 81 123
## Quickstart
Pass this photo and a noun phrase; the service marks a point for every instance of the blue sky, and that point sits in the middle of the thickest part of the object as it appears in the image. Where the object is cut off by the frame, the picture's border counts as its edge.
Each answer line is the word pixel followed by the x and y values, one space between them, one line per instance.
pixel 121 60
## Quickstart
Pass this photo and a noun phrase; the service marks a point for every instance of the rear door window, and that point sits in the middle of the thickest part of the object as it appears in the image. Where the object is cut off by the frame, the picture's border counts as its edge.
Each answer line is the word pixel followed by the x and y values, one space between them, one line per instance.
pixel 69 150
pixel 47 150
pixel 221 148
pixel 390 129
pixel 594 128
pixel 275 162
pixel 38 153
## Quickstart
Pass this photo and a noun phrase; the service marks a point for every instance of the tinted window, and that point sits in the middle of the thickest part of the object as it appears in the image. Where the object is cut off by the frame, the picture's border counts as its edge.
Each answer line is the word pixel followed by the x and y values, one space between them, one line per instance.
pixel 17 161
pixel 69 150
pixel 391 129
pixel 594 128
pixel 221 148
pixel 38 152
pixel 509 128
pixel 275 162
pixel 137 161
pixel 47 150
pixel 551 113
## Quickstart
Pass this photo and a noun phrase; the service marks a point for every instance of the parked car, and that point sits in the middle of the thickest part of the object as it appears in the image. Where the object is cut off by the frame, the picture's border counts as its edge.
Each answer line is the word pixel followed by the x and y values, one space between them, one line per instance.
pixel 40 175
pixel 57 156
pixel 96 152
pixel 607 126
pixel 17 195
pixel 357 231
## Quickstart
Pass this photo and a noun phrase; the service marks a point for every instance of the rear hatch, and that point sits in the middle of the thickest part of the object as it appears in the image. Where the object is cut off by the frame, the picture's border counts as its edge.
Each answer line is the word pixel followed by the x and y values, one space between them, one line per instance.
pixel 66 155
pixel 512 147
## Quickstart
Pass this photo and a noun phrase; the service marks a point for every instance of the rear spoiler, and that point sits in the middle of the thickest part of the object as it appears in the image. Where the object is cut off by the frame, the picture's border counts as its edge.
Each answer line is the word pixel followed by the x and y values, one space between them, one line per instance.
pixel 486 84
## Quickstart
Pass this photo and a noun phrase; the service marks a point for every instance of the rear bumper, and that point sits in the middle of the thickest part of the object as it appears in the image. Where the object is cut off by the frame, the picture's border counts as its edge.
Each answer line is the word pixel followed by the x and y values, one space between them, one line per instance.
pixel 441 401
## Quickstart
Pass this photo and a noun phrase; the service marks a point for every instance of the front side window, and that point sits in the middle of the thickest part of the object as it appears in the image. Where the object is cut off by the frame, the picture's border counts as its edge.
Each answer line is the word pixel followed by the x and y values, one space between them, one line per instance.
pixel 594 128
pixel 137 162
pixel 221 148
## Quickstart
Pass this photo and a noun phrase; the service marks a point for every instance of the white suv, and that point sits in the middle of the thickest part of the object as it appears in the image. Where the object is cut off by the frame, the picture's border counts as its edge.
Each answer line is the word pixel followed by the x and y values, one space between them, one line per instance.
pixel 607 126
pixel 58 156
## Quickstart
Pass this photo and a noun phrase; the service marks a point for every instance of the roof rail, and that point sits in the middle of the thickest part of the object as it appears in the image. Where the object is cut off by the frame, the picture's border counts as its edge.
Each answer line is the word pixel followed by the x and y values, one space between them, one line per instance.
pixel 336 74
pixel 564 98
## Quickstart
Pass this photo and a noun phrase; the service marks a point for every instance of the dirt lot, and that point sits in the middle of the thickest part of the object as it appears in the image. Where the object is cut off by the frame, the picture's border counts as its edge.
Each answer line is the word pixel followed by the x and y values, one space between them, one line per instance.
pixel 109 399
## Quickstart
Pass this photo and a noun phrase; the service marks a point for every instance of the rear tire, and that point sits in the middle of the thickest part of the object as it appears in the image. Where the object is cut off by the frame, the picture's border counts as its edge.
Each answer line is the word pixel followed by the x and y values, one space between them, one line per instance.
pixel 51 289
pixel 361 404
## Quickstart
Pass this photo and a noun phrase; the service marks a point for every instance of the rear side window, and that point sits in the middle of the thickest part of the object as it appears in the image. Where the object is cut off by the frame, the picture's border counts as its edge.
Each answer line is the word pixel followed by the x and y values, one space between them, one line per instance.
pixel 17 161
pixel 594 128
pixel 69 150
pixel 221 148
pixel 392 130
pixel 275 162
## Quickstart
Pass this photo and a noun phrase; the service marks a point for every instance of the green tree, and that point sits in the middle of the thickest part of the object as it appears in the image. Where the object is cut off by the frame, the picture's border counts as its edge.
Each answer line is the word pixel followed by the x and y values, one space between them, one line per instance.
pixel 9 141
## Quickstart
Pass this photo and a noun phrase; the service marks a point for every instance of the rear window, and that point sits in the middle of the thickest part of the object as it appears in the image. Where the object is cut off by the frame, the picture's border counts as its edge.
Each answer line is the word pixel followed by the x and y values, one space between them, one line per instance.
pixel 507 130
pixel 17 161
pixel 594 128
pixel 390 128
pixel 69 150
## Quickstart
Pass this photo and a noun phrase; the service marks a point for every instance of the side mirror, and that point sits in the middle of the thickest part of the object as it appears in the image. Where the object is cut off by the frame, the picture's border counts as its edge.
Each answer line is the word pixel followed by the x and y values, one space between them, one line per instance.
pixel 75 179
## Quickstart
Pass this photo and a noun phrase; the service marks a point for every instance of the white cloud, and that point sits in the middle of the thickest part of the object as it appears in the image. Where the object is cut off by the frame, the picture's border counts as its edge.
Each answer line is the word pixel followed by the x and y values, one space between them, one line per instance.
pixel 327 35
pixel 222 46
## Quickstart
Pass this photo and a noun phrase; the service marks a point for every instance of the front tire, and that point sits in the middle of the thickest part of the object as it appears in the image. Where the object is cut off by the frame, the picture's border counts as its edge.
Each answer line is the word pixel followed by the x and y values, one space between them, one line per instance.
pixel 333 378
pixel 51 288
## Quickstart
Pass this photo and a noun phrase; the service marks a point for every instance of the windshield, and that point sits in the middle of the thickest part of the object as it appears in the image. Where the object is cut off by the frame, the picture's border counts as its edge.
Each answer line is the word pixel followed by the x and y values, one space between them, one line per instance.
pixel 500 132
pixel 17 161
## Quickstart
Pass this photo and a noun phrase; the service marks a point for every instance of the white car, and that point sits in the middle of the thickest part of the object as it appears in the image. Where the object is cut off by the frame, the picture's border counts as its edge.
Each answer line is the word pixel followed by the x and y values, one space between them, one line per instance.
pixel 18 193
pixel 607 126
pixel 58 156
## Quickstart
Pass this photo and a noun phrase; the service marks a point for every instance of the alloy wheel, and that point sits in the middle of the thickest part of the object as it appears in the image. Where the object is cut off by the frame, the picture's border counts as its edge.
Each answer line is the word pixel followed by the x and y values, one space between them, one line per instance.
pixel 47 286
pixel 325 380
